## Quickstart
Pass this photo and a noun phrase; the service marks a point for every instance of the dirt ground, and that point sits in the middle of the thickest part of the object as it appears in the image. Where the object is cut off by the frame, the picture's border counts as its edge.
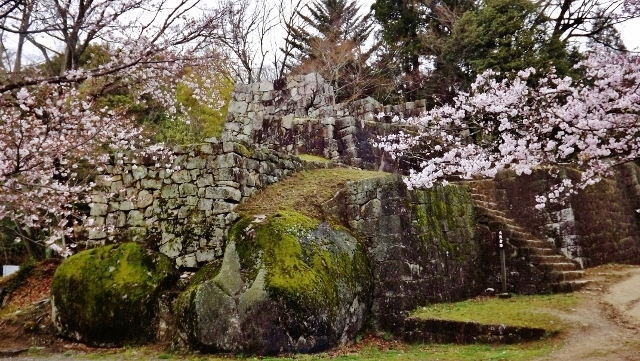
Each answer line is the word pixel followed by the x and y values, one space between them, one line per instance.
pixel 605 325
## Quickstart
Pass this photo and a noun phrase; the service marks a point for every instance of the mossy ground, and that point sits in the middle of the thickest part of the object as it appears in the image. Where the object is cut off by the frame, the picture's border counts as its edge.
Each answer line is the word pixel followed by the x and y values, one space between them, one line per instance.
pixel 304 191
pixel 520 311
pixel 364 351
pixel 313 158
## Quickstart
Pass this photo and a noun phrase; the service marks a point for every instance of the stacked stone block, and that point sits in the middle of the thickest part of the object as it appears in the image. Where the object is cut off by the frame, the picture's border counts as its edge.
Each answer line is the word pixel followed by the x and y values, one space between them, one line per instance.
pixel 184 212
pixel 298 115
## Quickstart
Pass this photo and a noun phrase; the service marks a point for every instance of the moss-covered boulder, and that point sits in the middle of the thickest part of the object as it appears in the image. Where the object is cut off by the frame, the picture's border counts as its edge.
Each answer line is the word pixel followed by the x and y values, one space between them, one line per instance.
pixel 107 296
pixel 286 284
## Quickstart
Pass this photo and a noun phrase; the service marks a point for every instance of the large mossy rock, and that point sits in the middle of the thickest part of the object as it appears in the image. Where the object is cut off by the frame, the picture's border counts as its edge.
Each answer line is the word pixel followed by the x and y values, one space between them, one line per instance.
pixel 107 296
pixel 286 284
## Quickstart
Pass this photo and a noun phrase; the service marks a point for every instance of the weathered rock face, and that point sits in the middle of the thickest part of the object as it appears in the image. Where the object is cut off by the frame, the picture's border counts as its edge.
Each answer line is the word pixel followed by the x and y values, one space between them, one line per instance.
pixel 298 115
pixel 107 296
pixel 286 284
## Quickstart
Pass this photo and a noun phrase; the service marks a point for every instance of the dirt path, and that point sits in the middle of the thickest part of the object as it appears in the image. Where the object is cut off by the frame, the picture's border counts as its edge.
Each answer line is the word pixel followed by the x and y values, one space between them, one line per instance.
pixel 606 324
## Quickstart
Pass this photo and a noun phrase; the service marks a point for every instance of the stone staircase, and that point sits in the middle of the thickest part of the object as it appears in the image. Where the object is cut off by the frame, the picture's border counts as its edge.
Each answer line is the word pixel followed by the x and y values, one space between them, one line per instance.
pixel 562 274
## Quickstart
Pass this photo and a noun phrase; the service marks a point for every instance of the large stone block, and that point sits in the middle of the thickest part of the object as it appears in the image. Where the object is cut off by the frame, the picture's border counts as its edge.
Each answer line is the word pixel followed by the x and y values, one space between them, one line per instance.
pixel 223 192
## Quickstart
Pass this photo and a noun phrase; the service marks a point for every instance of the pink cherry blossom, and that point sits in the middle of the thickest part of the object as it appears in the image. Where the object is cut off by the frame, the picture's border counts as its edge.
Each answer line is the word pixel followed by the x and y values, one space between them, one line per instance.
pixel 592 123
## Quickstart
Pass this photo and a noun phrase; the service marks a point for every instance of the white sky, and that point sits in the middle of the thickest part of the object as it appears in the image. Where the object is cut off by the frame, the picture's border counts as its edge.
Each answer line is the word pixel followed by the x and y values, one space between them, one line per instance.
pixel 630 33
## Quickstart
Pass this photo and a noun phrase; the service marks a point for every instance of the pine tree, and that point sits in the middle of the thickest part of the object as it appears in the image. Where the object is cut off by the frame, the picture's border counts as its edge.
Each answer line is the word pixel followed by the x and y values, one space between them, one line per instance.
pixel 336 21
pixel 416 34
pixel 331 41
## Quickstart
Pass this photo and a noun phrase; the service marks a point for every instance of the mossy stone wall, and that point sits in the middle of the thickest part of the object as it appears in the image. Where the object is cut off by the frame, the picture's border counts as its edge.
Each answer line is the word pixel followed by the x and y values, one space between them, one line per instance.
pixel 420 244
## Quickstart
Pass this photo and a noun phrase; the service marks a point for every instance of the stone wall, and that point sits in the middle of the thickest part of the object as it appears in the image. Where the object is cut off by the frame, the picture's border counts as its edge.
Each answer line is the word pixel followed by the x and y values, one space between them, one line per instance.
pixel 597 225
pixel 298 115
pixel 421 244
pixel 184 213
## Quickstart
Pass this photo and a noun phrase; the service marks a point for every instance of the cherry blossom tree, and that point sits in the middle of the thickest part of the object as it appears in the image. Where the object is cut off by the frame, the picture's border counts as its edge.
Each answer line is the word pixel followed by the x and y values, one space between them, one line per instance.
pixel 592 123
pixel 54 125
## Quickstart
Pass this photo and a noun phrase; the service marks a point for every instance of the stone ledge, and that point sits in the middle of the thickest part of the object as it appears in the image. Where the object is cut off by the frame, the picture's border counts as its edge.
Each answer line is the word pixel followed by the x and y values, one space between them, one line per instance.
pixel 417 330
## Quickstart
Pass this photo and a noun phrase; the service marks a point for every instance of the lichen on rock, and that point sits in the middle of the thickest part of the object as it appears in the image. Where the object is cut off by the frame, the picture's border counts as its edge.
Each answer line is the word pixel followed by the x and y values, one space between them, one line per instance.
pixel 107 296
pixel 287 283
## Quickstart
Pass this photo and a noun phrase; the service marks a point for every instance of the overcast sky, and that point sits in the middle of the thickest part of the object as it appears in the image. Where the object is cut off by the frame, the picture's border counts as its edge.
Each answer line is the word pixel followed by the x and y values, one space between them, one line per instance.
pixel 630 33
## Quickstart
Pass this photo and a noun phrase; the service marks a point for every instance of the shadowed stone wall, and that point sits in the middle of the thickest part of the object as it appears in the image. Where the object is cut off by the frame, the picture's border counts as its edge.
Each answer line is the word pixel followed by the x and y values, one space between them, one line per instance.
pixel 421 244
pixel 596 226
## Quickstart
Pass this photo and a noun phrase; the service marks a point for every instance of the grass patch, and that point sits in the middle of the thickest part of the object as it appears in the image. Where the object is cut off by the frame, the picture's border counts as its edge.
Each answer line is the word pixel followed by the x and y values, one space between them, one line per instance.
pixel 519 311
pixel 398 351
pixel 521 352
pixel 304 192
pixel 313 158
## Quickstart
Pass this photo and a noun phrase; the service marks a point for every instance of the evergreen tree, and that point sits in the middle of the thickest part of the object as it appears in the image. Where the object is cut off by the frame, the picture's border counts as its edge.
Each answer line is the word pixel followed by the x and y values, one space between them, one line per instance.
pixel 336 21
pixel 416 34
pixel 510 35
pixel 331 42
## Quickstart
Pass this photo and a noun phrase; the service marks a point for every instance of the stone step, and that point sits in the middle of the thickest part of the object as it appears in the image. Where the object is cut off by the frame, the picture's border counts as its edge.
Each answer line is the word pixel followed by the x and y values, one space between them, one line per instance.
pixel 558 266
pixel 547 258
pixel 519 235
pixel 514 227
pixel 531 243
pixel 561 273
pixel 569 286
pixel 489 207
pixel 534 251
pixel 565 276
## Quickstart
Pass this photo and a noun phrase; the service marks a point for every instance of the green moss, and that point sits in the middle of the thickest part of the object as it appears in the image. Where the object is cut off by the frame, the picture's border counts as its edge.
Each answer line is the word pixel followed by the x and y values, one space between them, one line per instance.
pixel 243 150
pixel 519 311
pixel 440 210
pixel 313 158
pixel 303 266
pixel 108 294
pixel 206 272
pixel 305 192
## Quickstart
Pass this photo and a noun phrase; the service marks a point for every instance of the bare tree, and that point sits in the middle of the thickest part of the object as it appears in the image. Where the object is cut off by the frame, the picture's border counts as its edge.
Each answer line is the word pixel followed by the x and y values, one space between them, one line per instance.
pixel 592 20
pixel 250 33
pixel 66 28
pixel 243 29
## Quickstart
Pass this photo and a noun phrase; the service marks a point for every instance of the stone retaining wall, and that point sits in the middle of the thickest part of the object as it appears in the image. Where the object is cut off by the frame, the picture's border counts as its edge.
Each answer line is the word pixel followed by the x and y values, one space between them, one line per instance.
pixel 447 331
pixel 298 115
pixel 184 213
pixel 596 226
pixel 421 244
